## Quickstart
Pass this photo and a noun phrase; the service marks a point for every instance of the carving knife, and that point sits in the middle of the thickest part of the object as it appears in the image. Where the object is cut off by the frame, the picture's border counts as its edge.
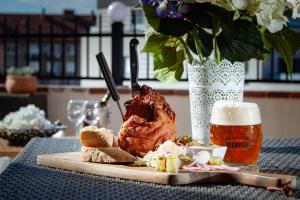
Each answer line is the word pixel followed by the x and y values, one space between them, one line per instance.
pixel 109 81
pixel 134 68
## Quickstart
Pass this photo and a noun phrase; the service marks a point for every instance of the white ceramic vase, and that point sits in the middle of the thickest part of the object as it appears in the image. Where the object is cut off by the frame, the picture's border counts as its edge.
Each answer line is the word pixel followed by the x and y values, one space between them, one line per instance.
pixel 208 83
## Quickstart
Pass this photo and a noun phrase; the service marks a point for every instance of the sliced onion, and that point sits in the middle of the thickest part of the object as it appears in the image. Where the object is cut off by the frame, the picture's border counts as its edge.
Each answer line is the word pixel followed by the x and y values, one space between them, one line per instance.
pixel 202 157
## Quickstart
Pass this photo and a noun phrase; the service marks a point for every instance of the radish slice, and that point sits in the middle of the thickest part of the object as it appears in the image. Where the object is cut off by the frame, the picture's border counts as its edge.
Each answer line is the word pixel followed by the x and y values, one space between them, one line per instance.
pixel 229 168
pixel 191 168
pixel 206 167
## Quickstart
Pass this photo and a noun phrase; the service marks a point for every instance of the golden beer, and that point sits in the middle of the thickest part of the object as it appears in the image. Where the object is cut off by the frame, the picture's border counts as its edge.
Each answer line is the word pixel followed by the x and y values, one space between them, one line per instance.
pixel 237 126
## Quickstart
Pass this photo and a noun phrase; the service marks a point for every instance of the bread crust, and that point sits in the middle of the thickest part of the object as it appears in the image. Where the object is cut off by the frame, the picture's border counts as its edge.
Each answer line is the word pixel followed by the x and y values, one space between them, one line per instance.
pixel 91 136
pixel 106 155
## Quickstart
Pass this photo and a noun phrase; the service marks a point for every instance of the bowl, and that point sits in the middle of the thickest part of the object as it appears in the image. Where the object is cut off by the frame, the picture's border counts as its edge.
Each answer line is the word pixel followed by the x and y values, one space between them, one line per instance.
pixel 21 137
pixel 213 150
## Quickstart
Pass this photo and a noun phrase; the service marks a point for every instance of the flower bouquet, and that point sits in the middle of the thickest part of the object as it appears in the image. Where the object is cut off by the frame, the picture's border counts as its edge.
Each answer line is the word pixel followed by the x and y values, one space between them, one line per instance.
pixel 216 37
pixel 236 30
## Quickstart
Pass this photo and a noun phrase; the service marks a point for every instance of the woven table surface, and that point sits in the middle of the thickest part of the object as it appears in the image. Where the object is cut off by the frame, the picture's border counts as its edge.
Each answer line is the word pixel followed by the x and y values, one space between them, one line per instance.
pixel 23 179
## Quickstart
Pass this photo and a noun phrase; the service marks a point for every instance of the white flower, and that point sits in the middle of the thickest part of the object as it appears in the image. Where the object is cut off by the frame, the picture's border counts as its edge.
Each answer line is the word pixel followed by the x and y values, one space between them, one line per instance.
pixel 240 4
pixel 296 8
pixel 271 15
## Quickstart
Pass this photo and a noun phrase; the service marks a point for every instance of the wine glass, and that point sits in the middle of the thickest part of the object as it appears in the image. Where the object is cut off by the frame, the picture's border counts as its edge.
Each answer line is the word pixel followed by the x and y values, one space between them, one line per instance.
pixel 75 113
pixel 91 112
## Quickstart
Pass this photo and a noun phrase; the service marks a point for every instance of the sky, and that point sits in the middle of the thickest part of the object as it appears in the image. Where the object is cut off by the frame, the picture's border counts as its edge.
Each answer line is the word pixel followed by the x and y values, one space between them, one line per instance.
pixel 51 6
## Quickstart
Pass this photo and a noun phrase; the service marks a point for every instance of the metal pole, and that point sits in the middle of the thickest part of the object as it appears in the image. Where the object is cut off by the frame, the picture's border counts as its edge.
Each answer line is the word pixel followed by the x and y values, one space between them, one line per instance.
pixel 117 53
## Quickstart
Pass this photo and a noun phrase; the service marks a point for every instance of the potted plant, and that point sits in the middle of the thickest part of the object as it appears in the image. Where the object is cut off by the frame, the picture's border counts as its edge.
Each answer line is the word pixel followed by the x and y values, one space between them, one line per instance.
pixel 20 80
pixel 216 37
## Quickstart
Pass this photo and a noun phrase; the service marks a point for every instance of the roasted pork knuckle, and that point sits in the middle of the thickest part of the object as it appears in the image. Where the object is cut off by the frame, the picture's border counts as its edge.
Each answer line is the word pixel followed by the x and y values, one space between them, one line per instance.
pixel 149 122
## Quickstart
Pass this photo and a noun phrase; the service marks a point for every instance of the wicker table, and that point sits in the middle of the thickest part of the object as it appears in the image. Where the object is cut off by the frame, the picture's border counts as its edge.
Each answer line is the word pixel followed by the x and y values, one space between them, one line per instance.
pixel 23 179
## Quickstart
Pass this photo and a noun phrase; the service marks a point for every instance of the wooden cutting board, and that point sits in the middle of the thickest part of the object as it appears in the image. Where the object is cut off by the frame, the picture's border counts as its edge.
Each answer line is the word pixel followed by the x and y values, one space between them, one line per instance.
pixel 73 161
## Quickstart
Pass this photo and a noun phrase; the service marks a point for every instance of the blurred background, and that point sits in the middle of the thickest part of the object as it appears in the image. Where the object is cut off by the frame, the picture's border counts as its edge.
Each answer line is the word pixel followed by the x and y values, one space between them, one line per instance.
pixel 60 38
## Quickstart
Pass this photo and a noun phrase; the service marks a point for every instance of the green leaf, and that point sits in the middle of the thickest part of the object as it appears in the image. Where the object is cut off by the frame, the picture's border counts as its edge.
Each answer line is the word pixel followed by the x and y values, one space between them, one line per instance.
pixel 174 27
pixel 165 59
pixel 20 71
pixel 168 55
pixel 267 45
pixel 199 15
pixel 206 40
pixel 154 42
pixel 287 43
pixel 190 42
pixel 240 41
pixel 168 76
pixel 172 72
pixel 160 44
pixel 203 13
pixel 151 16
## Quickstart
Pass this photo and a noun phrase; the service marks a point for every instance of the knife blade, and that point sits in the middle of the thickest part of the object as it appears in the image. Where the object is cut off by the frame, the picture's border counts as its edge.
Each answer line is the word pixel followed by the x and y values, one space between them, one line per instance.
pixel 134 68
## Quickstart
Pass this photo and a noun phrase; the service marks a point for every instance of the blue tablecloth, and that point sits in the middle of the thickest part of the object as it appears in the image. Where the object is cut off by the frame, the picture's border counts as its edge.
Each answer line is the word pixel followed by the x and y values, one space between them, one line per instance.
pixel 23 179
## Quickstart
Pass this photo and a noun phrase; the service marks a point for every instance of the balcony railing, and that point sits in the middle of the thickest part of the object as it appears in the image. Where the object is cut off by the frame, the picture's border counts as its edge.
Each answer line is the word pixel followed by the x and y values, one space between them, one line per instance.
pixel 62 51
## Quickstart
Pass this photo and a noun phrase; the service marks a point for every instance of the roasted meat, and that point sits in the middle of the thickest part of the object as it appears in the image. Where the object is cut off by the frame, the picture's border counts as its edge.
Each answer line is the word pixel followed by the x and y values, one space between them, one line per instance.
pixel 149 122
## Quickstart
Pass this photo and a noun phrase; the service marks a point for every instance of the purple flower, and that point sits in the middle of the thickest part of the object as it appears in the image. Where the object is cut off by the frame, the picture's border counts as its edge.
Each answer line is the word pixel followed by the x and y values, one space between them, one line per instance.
pixel 169 11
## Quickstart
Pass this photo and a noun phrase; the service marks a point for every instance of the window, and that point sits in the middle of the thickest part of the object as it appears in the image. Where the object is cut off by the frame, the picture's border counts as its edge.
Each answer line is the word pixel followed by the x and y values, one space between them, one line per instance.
pixel 10 63
pixel 48 67
pixel 296 69
pixel 46 50
pixel 139 21
pixel 275 68
pixel 139 17
pixel 70 50
pixel 57 51
pixel 70 68
pixel 34 65
pixel 57 68
pixel 10 49
pixel 33 50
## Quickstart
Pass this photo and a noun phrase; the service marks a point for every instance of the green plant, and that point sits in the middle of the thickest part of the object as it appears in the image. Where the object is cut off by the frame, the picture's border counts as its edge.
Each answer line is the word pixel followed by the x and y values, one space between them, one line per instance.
pixel 20 71
pixel 236 30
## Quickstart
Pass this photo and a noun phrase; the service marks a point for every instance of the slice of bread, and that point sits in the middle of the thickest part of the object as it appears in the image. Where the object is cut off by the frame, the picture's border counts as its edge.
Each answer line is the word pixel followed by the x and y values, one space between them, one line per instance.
pixel 91 136
pixel 106 155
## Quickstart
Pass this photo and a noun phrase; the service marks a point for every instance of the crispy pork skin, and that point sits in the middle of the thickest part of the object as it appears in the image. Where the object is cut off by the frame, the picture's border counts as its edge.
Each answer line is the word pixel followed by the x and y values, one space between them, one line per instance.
pixel 149 122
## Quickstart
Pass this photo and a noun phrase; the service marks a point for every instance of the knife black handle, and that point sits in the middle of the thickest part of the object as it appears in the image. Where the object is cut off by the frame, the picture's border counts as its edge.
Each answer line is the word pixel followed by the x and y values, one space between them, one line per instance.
pixel 107 76
pixel 134 63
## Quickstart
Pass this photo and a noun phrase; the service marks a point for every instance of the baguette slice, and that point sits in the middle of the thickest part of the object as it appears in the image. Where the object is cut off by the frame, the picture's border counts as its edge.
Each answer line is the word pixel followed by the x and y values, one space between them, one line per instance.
pixel 106 155
pixel 91 136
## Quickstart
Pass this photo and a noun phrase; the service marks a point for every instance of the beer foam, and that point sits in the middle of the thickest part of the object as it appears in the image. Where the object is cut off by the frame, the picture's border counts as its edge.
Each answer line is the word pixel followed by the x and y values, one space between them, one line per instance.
pixel 235 113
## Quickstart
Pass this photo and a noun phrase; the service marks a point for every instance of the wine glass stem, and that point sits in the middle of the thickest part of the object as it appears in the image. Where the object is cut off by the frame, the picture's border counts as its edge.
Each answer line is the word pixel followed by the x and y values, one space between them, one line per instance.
pixel 77 128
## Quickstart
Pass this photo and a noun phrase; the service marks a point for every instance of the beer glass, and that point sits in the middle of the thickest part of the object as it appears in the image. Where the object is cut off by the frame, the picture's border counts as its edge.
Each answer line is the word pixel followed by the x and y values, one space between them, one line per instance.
pixel 237 125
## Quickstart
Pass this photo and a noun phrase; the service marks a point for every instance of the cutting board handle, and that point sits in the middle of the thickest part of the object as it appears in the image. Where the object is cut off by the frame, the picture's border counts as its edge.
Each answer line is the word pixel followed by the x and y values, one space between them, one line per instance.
pixel 284 183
